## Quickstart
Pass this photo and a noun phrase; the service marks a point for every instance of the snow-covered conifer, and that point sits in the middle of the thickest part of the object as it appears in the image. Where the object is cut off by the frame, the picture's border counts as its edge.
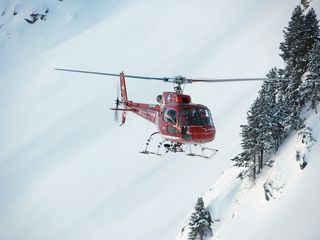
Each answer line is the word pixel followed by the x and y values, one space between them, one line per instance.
pixel 278 111
pixel 312 31
pixel 293 48
pixel 312 88
pixel 299 37
pixel 200 221
pixel 312 35
pixel 250 136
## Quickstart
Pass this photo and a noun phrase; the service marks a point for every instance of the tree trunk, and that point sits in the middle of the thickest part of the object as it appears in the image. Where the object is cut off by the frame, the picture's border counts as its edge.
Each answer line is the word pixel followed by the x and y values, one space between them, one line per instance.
pixel 254 167
pixel 261 160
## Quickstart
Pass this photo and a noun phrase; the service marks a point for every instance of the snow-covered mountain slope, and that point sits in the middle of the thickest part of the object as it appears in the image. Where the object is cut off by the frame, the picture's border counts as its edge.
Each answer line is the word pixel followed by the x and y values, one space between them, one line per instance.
pixel 293 208
pixel 66 170
pixel 57 21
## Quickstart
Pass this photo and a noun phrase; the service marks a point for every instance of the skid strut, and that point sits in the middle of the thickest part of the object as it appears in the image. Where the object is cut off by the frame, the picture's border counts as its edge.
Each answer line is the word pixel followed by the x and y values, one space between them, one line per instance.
pixel 146 151
pixel 168 146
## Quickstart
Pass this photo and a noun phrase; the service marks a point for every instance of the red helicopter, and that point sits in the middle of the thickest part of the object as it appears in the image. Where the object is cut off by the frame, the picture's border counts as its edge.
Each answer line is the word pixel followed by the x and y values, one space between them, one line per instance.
pixel 181 123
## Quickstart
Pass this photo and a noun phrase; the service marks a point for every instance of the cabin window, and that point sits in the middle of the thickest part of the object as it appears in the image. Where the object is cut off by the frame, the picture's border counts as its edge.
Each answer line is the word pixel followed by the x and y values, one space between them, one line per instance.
pixel 170 116
pixel 195 117
pixel 171 129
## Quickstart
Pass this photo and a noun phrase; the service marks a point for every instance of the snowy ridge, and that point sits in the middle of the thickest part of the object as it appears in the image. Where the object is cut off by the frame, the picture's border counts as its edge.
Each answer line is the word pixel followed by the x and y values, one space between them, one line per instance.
pixel 284 197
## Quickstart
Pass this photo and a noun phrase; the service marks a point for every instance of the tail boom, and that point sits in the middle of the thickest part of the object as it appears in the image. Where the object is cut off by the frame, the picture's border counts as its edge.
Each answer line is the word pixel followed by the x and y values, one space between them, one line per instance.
pixel 144 110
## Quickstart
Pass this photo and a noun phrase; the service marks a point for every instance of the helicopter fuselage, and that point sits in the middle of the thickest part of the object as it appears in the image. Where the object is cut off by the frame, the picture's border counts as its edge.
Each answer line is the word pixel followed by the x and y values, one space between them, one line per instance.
pixel 177 119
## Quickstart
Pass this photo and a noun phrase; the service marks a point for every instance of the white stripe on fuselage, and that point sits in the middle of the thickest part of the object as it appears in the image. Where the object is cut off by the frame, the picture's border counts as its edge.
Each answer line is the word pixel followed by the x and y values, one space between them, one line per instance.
pixel 170 137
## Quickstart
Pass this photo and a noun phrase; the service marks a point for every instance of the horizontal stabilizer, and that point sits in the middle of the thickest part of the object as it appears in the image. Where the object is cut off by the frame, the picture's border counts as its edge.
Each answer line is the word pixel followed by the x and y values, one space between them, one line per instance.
pixel 121 109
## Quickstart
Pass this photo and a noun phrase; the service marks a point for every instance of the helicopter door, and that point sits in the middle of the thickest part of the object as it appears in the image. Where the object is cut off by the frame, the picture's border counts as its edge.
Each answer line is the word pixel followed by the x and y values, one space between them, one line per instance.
pixel 170 119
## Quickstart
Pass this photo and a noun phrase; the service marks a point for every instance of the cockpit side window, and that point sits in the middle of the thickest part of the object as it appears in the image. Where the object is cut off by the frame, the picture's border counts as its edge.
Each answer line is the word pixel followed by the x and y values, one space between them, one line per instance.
pixel 170 115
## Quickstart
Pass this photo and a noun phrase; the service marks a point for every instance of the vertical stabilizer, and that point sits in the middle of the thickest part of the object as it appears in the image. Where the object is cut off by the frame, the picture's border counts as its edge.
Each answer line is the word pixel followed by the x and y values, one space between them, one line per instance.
pixel 124 96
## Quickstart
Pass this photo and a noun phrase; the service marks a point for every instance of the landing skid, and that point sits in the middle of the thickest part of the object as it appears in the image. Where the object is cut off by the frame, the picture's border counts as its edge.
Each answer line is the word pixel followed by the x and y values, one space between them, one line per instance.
pixel 169 146
pixel 205 152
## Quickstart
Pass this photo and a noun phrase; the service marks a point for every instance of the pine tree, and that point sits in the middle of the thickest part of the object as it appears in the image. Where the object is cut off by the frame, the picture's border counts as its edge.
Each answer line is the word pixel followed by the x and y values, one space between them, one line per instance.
pixel 278 111
pixel 267 111
pixel 312 85
pixel 299 38
pixel 312 31
pixel 251 142
pixel 247 159
pixel 200 221
pixel 293 53
pixel 312 35
pixel 294 47
pixel 265 129
pixel 256 121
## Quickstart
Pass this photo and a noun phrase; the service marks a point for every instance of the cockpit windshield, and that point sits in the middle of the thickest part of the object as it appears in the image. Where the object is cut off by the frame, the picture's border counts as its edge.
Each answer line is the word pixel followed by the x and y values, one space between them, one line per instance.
pixel 195 117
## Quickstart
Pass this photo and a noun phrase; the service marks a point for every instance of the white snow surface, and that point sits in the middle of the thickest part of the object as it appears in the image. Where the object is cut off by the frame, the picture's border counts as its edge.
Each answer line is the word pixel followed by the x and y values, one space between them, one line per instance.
pixel 66 170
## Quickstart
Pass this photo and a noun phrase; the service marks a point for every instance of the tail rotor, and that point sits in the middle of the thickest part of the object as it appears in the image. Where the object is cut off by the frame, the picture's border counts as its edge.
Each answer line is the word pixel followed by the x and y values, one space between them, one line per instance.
pixel 121 101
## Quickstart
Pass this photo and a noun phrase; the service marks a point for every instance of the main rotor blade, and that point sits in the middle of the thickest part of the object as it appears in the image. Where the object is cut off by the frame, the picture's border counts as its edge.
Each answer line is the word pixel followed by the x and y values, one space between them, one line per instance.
pixel 113 74
pixel 89 72
pixel 228 80
pixel 177 79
